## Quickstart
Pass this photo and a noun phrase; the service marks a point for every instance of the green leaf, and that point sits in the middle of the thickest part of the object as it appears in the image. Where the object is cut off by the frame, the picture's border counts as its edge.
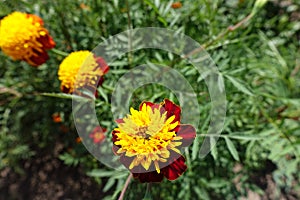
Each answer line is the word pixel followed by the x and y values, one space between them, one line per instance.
pixel 232 149
pixel 103 94
pixel 109 184
pixel 195 148
pixel 214 151
pixel 201 193
pixel 65 96
pixel 238 84
pixel 104 173
pixel 245 137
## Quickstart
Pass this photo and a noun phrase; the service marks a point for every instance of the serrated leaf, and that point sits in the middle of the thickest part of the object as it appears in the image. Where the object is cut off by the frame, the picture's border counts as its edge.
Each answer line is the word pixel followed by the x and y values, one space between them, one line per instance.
pixel 232 149
pixel 237 83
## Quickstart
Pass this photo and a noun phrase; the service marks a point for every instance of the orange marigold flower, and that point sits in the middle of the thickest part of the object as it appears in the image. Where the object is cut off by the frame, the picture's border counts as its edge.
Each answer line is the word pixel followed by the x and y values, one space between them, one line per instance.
pixel 23 37
pixel 80 69
pixel 176 5
pixel 149 140
pixel 84 7
pixel 98 134
pixel 56 118
pixel 78 140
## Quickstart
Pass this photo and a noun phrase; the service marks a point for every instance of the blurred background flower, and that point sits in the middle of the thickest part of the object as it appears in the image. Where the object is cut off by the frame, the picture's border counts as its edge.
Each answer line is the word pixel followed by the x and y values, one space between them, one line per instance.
pixel 98 134
pixel 23 37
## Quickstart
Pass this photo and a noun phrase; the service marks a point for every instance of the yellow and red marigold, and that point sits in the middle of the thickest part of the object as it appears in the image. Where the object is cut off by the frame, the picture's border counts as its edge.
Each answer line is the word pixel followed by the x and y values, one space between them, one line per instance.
pixel 149 140
pixel 81 69
pixel 23 37
pixel 98 135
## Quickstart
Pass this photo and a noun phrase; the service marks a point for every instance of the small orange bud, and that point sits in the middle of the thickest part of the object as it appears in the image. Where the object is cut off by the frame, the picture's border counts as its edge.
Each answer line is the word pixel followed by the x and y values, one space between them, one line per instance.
pixel 176 5
pixel 78 140
pixel 56 118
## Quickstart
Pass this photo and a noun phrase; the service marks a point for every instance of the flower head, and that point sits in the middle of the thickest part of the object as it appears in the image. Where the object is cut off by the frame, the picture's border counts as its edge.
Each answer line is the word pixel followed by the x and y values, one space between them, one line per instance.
pixel 56 118
pixel 79 69
pixel 78 140
pixel 98 134
pixel 23 37
pixel 149 140
pixel 176 5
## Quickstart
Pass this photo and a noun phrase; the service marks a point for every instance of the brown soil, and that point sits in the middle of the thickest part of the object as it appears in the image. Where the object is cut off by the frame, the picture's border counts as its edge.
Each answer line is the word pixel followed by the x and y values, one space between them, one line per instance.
pixel 46 177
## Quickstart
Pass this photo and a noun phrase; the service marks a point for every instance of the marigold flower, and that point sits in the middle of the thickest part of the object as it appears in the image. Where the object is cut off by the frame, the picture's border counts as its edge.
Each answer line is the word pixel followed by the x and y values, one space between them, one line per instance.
pixel 79 69
pixel 149 140
pixel 23 37
pixel 56 118
pixel 78 140
pixel 98 134
pixel 176 5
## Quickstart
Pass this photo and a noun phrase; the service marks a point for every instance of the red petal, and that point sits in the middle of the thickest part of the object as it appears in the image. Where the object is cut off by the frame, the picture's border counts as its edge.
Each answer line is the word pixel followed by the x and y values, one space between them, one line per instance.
pixel 65 90
pixel 149 177
pixel 119 121
pixel 41 58
pixel 46 41
pixel 147 103
pixel 172 109
pixel 100 81
pixel 114 136
pixel 188 134
pixel 174 170
pixel 102 64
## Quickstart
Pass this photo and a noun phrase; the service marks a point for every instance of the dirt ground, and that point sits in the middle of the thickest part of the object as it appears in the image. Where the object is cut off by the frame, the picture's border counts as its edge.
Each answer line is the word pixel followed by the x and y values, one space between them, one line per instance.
pixel 46 177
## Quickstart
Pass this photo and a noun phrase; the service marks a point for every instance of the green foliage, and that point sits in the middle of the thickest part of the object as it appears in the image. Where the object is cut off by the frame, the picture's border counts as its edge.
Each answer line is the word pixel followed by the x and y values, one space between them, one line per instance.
pixel 259 63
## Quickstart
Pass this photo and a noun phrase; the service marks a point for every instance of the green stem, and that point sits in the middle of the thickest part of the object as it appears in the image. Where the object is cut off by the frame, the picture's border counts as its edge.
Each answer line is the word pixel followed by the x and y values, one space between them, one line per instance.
pixel 148 192
pixel 129 24
pixel 59 52
pixel 221 35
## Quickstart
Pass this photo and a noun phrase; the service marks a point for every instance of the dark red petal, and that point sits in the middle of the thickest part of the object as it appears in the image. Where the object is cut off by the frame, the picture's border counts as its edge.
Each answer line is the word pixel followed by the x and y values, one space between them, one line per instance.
pixel 41 58
pixel 114 136
pixel 47 41
pixel 147 103
pixel 149 177
pixel 65 90
pixel 100 81
pixel 188 134
pixel 172 109
pixel 174 170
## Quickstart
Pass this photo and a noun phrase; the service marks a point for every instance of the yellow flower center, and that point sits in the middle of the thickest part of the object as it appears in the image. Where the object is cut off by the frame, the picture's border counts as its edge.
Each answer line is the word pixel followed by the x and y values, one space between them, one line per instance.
pixel 78 69
pixel 19 34
pixel 148 136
